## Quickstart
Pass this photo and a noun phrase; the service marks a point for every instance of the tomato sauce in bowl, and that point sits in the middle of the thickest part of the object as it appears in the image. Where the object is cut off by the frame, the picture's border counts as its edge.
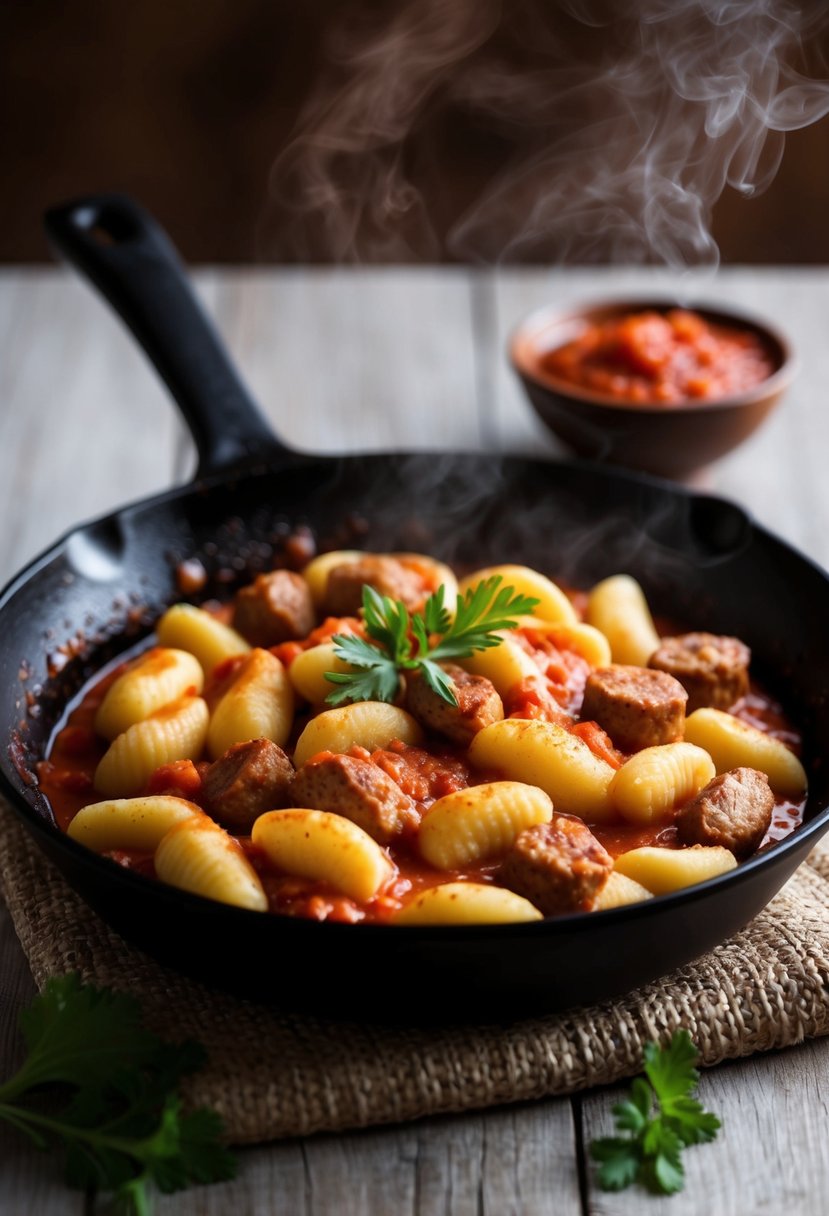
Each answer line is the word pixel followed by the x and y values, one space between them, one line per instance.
pixel 653 358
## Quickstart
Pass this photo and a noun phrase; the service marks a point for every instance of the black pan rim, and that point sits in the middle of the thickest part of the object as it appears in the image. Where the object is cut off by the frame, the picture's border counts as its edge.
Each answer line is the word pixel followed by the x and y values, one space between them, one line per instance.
pixel 551 926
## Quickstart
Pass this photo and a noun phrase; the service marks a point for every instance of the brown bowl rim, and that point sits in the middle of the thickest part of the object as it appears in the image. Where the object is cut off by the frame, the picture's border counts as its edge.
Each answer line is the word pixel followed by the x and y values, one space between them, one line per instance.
pixel 547 314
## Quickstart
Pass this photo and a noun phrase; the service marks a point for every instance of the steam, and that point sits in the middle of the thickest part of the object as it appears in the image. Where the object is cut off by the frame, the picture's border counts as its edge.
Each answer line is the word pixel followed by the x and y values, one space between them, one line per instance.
pixel 619 132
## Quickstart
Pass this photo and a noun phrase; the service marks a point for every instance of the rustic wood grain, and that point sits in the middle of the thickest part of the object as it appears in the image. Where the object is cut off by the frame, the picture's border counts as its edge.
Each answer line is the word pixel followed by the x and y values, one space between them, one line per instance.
pixel 343 361
pixel 357 360
pixel 770 1156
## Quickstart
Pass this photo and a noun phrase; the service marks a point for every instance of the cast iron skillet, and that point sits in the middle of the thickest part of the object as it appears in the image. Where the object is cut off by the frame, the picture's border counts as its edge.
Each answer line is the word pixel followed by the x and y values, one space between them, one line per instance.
pixel 699 558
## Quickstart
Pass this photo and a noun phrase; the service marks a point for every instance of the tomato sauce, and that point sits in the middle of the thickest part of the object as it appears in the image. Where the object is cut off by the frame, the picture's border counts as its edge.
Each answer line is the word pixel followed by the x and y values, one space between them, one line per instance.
pixel 424 773
pixel 651 358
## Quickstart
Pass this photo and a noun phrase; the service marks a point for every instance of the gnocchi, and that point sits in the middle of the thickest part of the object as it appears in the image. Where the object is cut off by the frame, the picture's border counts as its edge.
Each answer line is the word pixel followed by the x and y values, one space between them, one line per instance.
pixel 466 903
pixel 176 732
pixel 367 724
pixel 210 640
pixel 480 822
pixel 258 705
pixel 663 870
pixel 655 780
pixel 199 856
pixel 155 679
pixel 327 847
pixel 617 608
pixel 735 744
pixel 547 755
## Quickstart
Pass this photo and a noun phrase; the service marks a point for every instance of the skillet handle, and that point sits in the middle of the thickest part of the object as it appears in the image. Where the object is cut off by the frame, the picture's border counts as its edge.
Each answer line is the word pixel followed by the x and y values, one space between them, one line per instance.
pixel 121 249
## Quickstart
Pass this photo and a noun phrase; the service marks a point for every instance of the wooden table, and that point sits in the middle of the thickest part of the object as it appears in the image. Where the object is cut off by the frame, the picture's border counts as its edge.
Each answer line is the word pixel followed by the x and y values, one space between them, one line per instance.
pixel 347 360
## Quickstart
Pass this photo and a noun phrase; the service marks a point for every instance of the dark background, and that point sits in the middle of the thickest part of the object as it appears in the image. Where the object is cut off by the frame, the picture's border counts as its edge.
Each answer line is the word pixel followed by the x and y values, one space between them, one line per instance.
pixel 188 105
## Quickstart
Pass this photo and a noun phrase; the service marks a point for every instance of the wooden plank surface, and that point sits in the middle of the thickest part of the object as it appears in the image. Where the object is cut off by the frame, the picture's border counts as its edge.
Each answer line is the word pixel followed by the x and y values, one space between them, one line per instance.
pixel 372 359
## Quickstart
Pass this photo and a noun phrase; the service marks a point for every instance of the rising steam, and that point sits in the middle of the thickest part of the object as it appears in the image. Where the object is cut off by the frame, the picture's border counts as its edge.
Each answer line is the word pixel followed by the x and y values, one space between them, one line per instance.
pixel 618 133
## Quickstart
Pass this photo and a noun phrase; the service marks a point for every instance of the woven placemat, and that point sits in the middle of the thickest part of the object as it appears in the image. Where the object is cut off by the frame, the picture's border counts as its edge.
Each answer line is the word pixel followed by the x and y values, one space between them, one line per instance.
pixel 273 1074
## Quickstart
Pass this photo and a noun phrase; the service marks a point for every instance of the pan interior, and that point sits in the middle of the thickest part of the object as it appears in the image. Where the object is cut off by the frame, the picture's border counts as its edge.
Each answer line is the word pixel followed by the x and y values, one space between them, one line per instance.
pixel 699 559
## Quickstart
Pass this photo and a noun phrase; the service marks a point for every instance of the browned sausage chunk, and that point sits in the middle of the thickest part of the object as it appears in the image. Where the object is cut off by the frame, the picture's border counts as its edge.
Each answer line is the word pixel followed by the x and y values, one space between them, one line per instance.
pixel 637 707
pixel 275 608
pixel 249 779
pixel 478 704
pixel 344 589
pixel 734 810
pixel 358 790
pixel 559 866
pixel 713 670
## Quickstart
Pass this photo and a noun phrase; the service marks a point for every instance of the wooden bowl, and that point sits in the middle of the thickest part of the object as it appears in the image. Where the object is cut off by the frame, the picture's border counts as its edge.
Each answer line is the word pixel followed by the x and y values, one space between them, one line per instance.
pixel 671 441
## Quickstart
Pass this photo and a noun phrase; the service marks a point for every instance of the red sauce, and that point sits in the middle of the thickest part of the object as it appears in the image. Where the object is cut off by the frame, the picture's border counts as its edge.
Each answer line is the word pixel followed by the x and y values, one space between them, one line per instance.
pixel 424 773
pixel 668 359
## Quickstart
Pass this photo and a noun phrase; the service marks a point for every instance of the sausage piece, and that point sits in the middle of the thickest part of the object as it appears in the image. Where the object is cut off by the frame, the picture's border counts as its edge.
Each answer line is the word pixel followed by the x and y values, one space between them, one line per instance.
pixel 637 707
pixel 249 779
pixel 276 607
pixel 559 866
pixel 478 704
pixel 734 810
pixel 713 670
pixel 358 790
pixel 344 589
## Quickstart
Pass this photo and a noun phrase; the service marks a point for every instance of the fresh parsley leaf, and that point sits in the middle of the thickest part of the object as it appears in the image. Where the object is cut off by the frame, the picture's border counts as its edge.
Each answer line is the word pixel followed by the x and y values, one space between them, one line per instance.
pixel 120 1123
pixel 399 642
pixel 659 1119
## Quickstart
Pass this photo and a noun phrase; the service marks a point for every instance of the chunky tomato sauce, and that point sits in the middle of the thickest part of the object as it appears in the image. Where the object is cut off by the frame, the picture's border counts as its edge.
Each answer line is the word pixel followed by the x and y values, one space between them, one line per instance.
pixel 424 773
pixel 651 358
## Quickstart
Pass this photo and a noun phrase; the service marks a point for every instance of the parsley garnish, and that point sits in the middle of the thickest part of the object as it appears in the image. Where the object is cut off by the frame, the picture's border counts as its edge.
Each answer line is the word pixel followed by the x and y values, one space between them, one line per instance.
pixel 121 1125
pixel 659 1119
pixel 400 642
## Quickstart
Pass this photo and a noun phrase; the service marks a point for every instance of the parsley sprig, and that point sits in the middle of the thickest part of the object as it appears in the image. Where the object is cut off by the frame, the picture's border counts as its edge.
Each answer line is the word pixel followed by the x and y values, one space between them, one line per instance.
pixel 120 1122
pixel 399 642
pixel 658 1120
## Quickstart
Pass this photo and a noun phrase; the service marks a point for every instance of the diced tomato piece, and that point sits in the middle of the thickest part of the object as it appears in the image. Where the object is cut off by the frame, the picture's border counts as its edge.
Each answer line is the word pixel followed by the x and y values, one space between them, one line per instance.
pixel 181 778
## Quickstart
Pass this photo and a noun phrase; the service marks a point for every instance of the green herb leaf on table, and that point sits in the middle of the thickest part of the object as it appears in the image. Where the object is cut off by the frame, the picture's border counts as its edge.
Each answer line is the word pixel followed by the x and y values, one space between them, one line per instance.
pixel 399 641
pixel 120 1123
pixel 659 1119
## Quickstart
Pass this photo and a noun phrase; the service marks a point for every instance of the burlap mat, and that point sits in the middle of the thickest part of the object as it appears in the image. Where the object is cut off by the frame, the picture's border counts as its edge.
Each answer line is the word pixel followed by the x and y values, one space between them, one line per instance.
pixel 272 1074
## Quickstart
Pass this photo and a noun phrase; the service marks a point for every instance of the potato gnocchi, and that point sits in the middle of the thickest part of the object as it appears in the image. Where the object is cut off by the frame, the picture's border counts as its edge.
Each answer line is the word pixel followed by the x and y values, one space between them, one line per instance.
pixel 219 767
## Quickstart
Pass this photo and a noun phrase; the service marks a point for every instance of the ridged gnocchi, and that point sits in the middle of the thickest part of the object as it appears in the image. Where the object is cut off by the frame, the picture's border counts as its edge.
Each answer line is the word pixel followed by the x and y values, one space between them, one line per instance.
pixel 618 891
pixel 547 755
pixel 618 608
pixel 655 780
pixel 663 870
pixel 466 903
pixel 186 627
pixel 176 732
pixel 130 823
pixel 482 821
pixel 324 846
pixel 734 744
pixel 258 705
pixel 369 724
pixel 200 857
pixel 553 604
pixel 156 678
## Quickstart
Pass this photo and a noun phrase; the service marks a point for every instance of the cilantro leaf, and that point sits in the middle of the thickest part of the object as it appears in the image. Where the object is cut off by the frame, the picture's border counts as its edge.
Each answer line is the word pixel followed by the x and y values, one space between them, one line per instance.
pixel 657 1121
pixel 399 642
pixel 620 1162
pixel 120 1123
pixel 670 1069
